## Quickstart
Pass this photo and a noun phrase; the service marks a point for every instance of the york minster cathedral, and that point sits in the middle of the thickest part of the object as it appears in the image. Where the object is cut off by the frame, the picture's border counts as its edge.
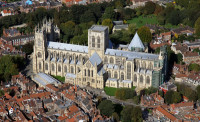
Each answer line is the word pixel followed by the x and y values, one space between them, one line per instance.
pixel 97 65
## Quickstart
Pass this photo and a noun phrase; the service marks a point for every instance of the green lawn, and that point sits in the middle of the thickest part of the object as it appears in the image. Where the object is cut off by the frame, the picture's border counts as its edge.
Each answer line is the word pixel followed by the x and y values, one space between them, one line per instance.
pixel 150 19
pixel 62 79
pixel 143 20
pixel 111 91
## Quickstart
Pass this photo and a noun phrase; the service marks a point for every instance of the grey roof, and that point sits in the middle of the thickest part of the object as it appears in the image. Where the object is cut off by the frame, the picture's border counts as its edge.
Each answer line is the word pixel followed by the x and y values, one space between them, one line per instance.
pixel 131 55
pixel 95 59
pixel 23 37
pixel 45 79
pixel 98 28
pixel 136 42
pixel 120 22
pixel 70 75
pixel 69 47
pixel 102 70
pixel 127 81
pixel 125 26
pixel 112 79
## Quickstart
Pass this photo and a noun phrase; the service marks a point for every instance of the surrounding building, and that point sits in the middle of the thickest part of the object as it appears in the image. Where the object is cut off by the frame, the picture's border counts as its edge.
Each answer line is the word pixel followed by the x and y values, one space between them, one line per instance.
pixel 18 40
pixel 94 64
pixel 119 25
pixel 151 100
pixel 6 12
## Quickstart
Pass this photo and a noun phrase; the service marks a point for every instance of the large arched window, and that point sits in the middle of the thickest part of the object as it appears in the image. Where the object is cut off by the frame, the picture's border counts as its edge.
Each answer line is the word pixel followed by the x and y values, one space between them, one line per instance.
pixel 92 73
pixel 144 65
pixel 46 66
pixel 52 67
pixel 105 60
pixel 129 71
pixel 135 78
pixel 141 79
pixel 72 69
pixel 151 66
pixel 148 80
pixel 98 42
pixel 93 41
pixel 111 60
pixel 109 74
pixel 39 55
pixel 115 75
pixel 88 72
pixel 65 69
pixel 85 72
pixel 79 69
pixel 122 76
pixel 59 68
pixel 40 65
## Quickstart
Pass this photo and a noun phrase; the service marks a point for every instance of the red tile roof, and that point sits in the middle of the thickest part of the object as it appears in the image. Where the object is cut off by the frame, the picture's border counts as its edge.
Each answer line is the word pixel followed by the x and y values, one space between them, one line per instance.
pixel 166 114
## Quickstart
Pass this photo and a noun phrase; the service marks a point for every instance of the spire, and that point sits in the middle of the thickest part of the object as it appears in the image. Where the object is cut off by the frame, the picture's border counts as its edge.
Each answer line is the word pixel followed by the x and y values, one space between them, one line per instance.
pixel 136 42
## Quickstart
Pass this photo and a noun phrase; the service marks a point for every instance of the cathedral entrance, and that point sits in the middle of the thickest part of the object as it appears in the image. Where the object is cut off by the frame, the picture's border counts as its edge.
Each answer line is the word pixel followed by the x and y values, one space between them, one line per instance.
pixel 88 83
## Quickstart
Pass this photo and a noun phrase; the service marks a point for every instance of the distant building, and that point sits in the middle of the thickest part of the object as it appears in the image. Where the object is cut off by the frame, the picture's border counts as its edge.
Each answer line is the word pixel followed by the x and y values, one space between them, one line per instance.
pixel 151 100
pixel 6 12
pixel 119 25
pixel 11 32
pixel 183 30
pixel 168 86
pixel 18 40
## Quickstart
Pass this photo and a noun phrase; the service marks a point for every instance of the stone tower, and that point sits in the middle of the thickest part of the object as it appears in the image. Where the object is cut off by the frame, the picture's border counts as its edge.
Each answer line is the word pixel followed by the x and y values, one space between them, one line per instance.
pixel 98 40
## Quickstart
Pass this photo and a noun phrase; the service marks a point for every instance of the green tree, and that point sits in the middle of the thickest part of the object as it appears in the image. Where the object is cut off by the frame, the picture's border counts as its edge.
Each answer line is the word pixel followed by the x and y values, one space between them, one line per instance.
pixel 106 108
pixel 1 93
pixel 149 7
pixel 109 13
pixel 194 67
pixel 132 29
pixel 68 30
pixel 7 67
pixel 145 34
pixel 109 23
pixel 168 97
pixel 88 16
pixel 176 97
pixel 28 48
pixel 125 93
pixel 131 114
pixel 198 91
pixel 179 58
pixel 197 27
pixel 80 39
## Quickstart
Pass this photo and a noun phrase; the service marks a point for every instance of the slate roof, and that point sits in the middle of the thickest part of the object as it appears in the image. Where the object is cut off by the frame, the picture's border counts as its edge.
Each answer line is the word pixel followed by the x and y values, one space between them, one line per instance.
pixel 95 59
pixel 69 47
pixel 70 75
pixel 136 42
pixel 131 55
pixel 99 28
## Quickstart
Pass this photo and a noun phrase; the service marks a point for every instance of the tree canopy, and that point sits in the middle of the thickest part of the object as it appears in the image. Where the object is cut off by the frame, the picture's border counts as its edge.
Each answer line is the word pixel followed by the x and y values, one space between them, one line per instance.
pixel 106 107
pixel 133 114
pixel 197 26
pixel 125 93
pixel 10 65
pixel 145 34
pixel 194 67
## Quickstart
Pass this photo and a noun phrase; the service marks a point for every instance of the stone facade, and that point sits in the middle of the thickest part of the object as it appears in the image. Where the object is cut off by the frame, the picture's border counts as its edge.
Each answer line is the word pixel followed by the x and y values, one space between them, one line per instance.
pixel 94 64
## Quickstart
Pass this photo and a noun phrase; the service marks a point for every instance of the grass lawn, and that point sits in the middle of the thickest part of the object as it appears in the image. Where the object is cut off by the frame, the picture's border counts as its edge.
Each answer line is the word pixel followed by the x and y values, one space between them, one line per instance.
pixel 62 79
pixel 111 91
pixel 143 20
pixel 150 19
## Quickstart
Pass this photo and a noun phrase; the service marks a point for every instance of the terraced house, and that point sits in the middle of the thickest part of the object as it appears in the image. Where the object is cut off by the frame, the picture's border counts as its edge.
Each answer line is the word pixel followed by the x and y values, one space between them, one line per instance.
pixel 97 65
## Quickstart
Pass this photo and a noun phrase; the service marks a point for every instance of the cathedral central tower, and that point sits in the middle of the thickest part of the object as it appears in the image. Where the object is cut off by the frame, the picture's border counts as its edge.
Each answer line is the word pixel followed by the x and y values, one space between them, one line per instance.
pixel 98 38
